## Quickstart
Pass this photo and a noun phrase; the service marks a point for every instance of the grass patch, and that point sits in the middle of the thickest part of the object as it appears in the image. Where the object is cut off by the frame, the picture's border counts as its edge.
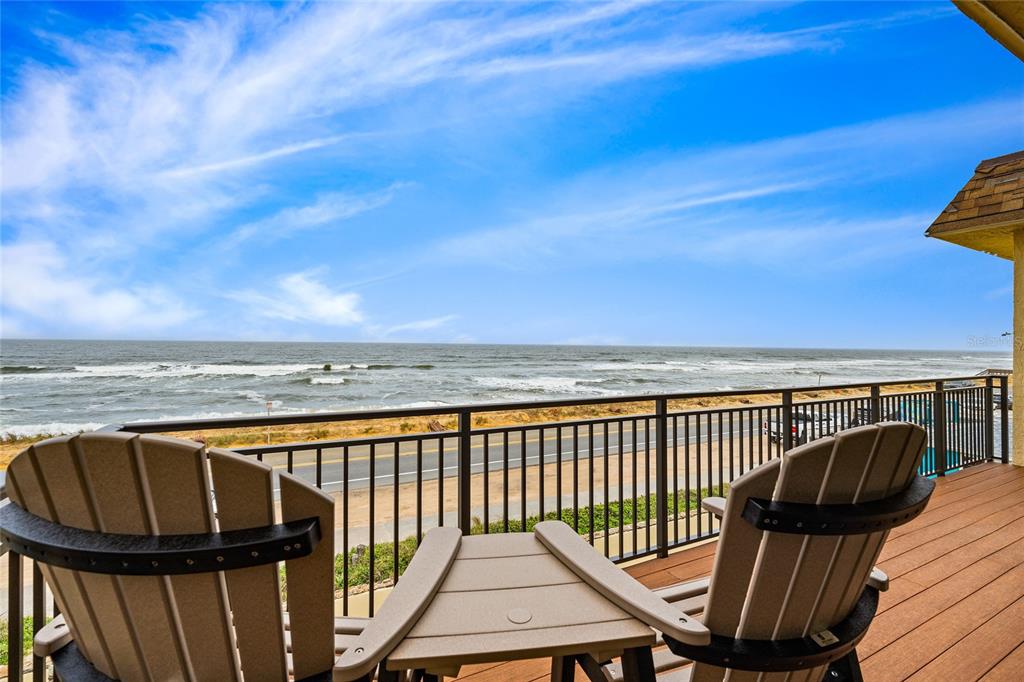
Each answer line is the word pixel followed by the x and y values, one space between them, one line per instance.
pixel 384 552
pixel 26 638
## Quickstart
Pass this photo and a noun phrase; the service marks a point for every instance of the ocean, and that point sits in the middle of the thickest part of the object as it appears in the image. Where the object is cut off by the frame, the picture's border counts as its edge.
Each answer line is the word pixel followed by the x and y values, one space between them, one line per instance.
pixel 51 387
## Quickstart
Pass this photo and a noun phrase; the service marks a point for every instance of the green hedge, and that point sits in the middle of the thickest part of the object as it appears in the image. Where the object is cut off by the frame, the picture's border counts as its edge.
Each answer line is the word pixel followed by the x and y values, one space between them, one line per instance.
pixel 26 637
pixel 384 559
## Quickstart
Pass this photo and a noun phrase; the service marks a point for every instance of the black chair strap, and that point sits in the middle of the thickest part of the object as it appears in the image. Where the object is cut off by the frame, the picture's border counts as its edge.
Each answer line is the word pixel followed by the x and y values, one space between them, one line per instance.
pixel 840 519
pixel 785 655
pixel 121 554
pixel 71 666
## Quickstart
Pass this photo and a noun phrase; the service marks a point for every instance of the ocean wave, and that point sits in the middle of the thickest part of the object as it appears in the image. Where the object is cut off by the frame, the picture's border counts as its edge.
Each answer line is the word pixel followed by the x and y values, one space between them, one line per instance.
pixel 663 366
pixel 50 429
pixel 315 381
pixel 542 385
pixel 416 405
pixel 161 371
pixel 253 396
pixel 22 369
pixel 186 370
pixel 380 366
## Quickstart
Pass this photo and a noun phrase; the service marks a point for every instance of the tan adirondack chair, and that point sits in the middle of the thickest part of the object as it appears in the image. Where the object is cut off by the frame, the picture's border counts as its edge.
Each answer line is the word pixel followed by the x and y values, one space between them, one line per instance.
pixel 189 587
pixel 790 603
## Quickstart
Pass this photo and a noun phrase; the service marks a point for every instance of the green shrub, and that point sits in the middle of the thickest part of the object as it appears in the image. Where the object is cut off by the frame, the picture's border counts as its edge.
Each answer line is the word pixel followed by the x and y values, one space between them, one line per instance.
pixel 641 509
pixel 26 637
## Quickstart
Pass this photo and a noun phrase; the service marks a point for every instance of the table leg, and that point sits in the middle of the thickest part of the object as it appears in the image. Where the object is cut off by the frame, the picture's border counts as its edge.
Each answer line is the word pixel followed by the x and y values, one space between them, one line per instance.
pixel 638 665
pixel 420 675
pixel 563 668
pixel 591 668
pixel 385 675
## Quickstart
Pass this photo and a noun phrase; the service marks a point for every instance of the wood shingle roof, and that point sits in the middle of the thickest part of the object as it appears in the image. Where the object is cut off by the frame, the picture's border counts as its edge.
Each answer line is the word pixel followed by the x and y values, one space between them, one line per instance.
pixel 990 206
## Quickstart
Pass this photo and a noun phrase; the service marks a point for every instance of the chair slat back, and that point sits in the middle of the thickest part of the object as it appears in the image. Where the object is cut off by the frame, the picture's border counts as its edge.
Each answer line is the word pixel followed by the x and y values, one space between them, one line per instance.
pixel 801 584
pixel 132 627
pixel 310 580
pixel 245 500
pixel 204 626
pixel 54 462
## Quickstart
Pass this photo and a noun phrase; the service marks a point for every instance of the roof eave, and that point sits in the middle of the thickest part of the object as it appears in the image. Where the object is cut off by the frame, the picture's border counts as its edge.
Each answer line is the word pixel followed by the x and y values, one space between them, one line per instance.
pixel 995 239
pixel 1005 26
pixel 1007 223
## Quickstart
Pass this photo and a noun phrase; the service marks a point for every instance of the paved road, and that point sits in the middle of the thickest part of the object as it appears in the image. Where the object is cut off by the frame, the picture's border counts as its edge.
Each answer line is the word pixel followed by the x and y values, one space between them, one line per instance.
pixel 304 462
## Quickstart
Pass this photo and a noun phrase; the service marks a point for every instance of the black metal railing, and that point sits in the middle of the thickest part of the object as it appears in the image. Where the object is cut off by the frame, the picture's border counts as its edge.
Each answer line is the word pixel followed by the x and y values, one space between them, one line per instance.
pixel 631 484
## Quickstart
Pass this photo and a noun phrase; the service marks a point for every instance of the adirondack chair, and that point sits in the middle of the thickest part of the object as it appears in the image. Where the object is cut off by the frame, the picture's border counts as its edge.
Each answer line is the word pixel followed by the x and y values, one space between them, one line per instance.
pixel 156 578
pixel 793 588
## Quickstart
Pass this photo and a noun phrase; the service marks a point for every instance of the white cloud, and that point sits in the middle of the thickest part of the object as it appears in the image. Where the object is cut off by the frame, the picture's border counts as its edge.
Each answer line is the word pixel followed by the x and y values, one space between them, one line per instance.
pixel 135 142
pixel 135 139
pixel 302 297
pixel 742 193
pixel 999 292
pixel 328 208
pixel 241 85
pixel 41 287
pixel 257 157
pixel 607 214
pixel 415 326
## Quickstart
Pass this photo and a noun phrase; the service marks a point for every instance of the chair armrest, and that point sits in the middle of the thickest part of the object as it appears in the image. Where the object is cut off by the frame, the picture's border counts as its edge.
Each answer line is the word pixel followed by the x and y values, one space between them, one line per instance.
pixel 681 591
pixel 617 586
pixel 406 603
pixel 52 637
pixel 715 505
pixel 878 579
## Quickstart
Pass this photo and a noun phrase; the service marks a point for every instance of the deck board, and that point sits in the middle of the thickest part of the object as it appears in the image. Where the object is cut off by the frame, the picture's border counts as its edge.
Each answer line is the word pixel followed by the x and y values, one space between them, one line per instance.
pixel 954 608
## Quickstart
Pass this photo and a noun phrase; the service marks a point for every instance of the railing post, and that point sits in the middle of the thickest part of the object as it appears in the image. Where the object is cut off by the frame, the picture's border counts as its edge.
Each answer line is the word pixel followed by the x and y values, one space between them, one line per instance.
pixel 465 471
pixel 15 615
pixel 38 619
pixel 1004 419
pixel 990 417
pixel 876 403
pixel 939 428
pixel 787 421
pixel 661 474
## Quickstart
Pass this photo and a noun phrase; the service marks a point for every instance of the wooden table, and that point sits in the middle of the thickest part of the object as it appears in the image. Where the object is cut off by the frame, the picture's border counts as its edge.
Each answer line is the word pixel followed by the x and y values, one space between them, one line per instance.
pixel 507 597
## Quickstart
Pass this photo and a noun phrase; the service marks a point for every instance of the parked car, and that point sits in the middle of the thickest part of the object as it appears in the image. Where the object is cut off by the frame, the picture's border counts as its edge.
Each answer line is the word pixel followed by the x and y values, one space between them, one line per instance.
pixel 805 425
pixel 862 415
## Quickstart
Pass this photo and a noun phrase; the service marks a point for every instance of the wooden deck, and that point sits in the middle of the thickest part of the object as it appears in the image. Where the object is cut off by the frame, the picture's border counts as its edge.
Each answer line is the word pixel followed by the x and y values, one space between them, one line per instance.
pixel 955 608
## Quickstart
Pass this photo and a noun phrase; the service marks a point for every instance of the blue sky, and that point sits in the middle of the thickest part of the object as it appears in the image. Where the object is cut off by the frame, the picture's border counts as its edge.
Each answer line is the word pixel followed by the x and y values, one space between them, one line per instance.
pixel 680 174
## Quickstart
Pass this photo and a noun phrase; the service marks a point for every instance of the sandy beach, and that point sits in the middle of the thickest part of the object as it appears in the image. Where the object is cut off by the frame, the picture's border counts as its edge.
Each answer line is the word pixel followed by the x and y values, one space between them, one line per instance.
pixel 305 433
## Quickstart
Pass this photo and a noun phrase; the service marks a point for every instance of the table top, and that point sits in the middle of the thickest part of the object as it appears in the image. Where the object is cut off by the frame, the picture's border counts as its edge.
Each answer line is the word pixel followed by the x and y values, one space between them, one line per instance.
pixel 508 597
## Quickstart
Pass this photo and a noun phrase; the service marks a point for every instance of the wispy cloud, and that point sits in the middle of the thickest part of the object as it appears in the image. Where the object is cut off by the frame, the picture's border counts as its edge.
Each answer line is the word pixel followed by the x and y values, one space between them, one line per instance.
pixel 762 200
pixel 41 285
pixel 428 324
pixel 134 149
pixel 302 297
pixel 137 139
pixel 326 210
pixel 999 292
pixel 257 158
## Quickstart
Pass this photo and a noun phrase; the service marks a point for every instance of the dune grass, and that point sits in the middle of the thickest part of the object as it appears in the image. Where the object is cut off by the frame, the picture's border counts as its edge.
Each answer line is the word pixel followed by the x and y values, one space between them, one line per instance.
pixel 384 559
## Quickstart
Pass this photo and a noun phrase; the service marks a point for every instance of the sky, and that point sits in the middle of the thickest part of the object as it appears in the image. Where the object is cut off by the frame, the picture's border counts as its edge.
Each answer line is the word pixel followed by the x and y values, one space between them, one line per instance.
pixel 731 174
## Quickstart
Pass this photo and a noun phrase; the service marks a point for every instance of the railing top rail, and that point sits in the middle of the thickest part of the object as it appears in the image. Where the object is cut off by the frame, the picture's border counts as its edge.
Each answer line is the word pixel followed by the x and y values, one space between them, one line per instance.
pixel 398 413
